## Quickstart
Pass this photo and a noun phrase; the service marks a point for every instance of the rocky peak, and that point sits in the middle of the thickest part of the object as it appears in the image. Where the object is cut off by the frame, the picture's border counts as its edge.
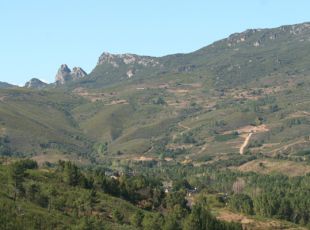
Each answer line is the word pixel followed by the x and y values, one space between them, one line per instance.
pixel 296 29
pixel 106 58
pixel 64 74
pixel 77 73
pixel 126 59
pixel 35 83
pixel 258 37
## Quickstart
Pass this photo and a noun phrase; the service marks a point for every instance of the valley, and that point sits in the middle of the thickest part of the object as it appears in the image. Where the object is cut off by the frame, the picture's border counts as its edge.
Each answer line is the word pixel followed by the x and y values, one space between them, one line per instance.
pixel 229 123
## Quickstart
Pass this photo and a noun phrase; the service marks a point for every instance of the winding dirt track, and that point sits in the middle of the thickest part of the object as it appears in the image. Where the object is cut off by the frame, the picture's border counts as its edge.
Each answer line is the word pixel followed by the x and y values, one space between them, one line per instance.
pixel 245 143
pixel 184 127
pixel 250 130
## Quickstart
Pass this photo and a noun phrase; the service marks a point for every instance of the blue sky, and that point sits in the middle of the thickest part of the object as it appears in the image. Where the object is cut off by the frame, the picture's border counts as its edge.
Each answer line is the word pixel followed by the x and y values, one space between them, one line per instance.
pixel 38 36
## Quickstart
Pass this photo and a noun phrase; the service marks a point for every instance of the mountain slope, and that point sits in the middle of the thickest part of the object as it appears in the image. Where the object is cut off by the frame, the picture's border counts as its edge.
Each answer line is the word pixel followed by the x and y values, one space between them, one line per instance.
pixel 35 83
pixel 6 85
pixel 240 58
pixel 40 121
pixel 134 106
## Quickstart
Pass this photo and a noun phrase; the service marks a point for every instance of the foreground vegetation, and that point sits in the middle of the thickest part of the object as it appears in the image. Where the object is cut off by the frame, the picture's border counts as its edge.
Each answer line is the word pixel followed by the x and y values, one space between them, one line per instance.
pixel 67 197
pixel 165 196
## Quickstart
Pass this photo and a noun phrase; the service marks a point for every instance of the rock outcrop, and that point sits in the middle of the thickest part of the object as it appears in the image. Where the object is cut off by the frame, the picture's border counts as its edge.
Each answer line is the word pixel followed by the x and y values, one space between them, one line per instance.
pixel 35 83
pixel 127 59
pixel 260 37
pixel 127 64
pixel 64 74
pixel 77 73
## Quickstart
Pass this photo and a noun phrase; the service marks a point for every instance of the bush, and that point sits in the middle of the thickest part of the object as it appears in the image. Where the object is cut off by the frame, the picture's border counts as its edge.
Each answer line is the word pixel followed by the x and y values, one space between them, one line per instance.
pixel 241 203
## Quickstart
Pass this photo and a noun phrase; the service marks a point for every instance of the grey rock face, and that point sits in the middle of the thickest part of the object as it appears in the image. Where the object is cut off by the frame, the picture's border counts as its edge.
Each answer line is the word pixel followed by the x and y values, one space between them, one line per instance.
pixel 35 83
pixel 259 37
pixel 131 63
pixel 64 74
pixel 127 59
pixel 77 73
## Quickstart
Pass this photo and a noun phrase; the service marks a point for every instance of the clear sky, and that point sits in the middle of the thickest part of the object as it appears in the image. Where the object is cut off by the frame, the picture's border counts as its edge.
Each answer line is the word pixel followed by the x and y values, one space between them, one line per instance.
pixel 38 36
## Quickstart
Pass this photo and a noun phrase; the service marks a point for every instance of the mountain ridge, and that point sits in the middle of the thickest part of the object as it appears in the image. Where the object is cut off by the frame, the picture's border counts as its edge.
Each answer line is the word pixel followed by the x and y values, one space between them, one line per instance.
pixel 258 40
pixel 180 62
pixel 140 105
pixel 6 85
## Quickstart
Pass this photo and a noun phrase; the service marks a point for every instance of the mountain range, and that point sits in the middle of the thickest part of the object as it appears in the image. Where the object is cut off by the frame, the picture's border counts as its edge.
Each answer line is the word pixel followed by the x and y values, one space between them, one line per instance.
pixel 218 138
pixel 188 107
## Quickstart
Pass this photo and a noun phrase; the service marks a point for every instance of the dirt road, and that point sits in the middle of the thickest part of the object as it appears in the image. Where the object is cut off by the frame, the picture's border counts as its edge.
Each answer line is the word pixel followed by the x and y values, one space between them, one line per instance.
pixel 245 143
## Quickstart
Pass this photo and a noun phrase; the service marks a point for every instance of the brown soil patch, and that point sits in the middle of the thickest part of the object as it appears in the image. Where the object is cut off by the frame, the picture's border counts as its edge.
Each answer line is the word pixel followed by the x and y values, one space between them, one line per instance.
pixel 254 93
pixel 168 159
pixel 179 146
pixel 183 126
pixel 299 114
pixel 247 132
pixel 2 131
pixel 253 129
pixel 245 143
pixel 117 102
pixel 97 96
pixel 286 147
pixel 254 224
pixel 142 158
pixel 178 105
pixel 90 96
pixel 233 217
pixel 288 168
pixel 50 158
pixel 178 91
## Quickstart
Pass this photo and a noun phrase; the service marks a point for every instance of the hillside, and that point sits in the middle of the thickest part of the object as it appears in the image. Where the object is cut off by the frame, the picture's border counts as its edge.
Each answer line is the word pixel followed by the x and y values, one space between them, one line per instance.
pixel 6 85
pixel 156 142
pixel 63 195
pixel 203 105
pixel 240 58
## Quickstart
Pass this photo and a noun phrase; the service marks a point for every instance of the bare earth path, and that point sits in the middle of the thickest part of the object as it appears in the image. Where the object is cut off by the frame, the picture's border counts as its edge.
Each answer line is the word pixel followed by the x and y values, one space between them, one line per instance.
pixel 250 130
pixel 184 127
pixel 245 143
pixel 181 133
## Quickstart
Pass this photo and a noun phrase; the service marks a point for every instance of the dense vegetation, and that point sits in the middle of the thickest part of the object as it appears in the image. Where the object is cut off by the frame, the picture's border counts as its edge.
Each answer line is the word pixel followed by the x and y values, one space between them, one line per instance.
pixel 276 196
pixel 85 197
pixel 54 198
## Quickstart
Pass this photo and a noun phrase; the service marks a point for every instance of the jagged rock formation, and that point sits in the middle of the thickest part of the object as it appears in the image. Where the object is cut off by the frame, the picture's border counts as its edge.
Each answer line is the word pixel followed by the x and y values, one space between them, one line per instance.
pixel 35 83
pixel 126 66
pixel 77 73
pixel 128 59
pixel 258 37
pixel 64 74
pixel 254 53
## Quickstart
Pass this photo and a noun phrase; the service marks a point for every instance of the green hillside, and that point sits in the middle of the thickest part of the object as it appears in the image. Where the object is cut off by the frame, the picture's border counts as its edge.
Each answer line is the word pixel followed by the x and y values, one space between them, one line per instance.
pixel 184 106
pixel 6 85
pixel 241 58
pixel 231 119
pixel 66 197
